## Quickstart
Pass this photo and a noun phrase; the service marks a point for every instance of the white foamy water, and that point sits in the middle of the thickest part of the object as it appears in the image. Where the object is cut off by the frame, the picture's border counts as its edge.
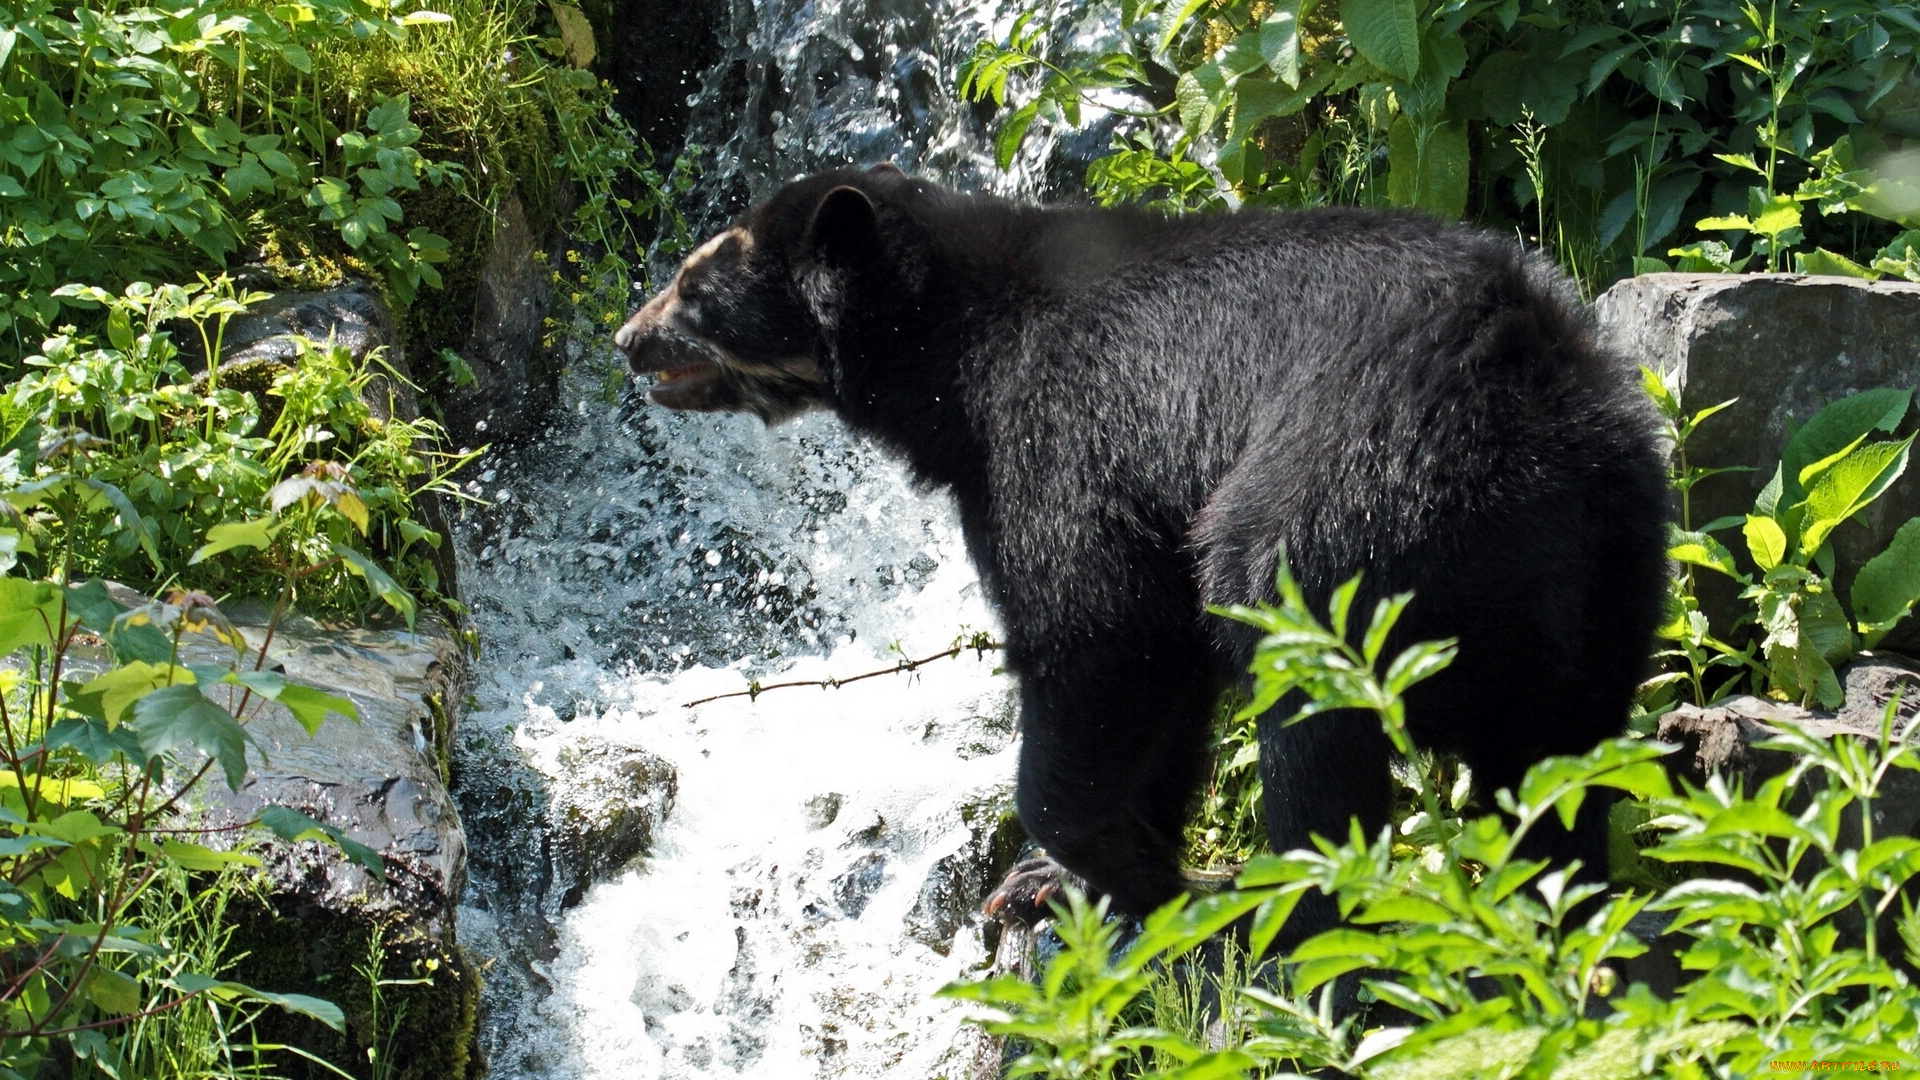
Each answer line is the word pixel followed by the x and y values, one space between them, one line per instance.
pixel 817 874
pixel 816 857
pixel 772 932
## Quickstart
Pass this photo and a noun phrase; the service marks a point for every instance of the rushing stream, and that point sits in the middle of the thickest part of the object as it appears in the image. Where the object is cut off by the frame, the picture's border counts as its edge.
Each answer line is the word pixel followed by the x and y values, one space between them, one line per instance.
pixel 768 887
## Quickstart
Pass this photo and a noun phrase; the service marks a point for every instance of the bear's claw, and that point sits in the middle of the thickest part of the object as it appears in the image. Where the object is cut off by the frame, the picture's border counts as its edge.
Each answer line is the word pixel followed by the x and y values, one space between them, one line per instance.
pixel 1025 893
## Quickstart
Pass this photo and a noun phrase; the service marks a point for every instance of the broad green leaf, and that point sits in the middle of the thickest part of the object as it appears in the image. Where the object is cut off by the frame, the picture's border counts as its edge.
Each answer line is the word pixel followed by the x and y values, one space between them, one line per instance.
pixel 382 585
pixel 129 517
pixel 1839 424
pixel 1849 486
pixel 115 993
pixel 1888 586
pixel 1766 541
pixel 309 706
pixel 1201 95
pixel 1767 503
pixel 197 857
pixel 90 603
pixel 1428 167
pixel 293 826
pixel 235 534
pixel 324 1011
pixel 1814 471
pixel 1700 549
pixel 1822 261
pixel 93 739
pixel 1386 33
pixel 1780 213
pixel 179 718
pixel 1179 20
pixel 1280 42
pixel 29 613
pixel 75 827
pixel 121 687
pixel 1013 132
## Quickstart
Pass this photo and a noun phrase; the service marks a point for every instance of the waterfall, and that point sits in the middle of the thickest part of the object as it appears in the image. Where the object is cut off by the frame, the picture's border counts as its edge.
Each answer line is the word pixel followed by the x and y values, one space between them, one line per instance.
pixel 755 886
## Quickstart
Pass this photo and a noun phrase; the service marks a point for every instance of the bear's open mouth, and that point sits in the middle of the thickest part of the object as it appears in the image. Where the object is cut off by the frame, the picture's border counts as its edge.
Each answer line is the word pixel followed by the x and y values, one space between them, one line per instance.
pixel 688 386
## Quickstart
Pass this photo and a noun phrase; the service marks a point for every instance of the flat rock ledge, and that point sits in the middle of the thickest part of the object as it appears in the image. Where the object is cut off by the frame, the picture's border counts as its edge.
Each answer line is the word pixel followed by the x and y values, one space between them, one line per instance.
pixel 1725 738
pixel 315 922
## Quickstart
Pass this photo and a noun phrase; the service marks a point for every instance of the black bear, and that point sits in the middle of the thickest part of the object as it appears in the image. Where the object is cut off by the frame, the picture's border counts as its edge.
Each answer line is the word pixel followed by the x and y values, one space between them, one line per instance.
pixel 1133 411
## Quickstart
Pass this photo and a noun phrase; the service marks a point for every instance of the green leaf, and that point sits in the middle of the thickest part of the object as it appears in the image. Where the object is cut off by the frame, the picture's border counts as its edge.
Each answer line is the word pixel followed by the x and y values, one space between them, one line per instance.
pixel 383 586
pixel 93 739
pixel 179 718
pixel 115 993
pixel 29 614
pixel 1888 586
pixel 1386 33
pixel 1179 20
pixel 1700 549
pixel 197 857
pixel 1777 215
pixel 309 706
pixel 1837 426
pixel 1013 132
pixel 293 826
pixel 1430 173
pixel 1280 42
pixel 118 689
pixel 1201 95
pixel 1822 261
pixel 1766 541
pixel 93 606
pixel 324 1011
pixel 236 534
pixel 1850 486
pixel 129 517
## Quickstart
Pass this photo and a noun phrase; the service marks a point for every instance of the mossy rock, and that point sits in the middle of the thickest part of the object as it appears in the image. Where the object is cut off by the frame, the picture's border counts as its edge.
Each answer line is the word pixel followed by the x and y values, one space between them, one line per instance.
pixel 424 1024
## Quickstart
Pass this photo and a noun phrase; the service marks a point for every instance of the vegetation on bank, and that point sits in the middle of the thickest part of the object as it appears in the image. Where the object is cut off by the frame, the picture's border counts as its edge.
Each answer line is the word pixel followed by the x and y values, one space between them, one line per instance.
pixel 1623 138
pixel 147 155
pixel 1461 959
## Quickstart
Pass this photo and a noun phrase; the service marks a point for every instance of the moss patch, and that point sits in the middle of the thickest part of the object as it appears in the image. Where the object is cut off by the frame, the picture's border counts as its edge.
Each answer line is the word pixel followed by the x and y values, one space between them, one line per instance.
pixel 429 1009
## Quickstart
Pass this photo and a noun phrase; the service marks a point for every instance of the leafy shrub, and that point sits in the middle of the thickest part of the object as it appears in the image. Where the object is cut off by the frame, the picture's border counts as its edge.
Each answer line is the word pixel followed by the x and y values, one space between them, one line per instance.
pixel 108 721
pixel 1601 130
pixel 1499 966
pixel 117 460
pixel 1831 469
pixel 144 144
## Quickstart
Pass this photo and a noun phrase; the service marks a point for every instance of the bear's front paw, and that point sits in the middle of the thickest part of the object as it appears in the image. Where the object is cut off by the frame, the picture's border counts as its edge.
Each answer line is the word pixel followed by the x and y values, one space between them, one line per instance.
pixel 1024 894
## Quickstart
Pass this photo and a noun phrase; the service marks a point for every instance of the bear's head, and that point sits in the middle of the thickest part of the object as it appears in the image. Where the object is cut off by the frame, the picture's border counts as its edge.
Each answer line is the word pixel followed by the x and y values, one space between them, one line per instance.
pixel 744 324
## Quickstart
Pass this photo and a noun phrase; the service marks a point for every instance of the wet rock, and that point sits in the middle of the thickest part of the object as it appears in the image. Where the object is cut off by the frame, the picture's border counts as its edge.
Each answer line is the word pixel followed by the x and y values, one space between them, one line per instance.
pixel 823 809
pixel 514 373
pixel 606 817
pixel 318 922
pixel 1785 345
pixel 584 810
pixel 958 884
pixel 853 888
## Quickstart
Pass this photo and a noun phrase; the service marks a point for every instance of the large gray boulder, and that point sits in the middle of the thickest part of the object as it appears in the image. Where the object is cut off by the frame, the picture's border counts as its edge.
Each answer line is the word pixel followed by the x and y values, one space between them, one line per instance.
pixel 1785 345
pixel 316 919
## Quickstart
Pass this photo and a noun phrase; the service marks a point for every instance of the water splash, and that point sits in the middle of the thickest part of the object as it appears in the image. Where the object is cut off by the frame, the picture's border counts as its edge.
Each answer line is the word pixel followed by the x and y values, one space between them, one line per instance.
pixel 809 864
pixel 813 875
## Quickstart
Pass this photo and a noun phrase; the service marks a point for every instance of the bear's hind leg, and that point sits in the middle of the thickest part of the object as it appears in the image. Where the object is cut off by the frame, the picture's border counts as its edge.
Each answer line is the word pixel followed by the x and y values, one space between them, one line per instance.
pixel 1319 775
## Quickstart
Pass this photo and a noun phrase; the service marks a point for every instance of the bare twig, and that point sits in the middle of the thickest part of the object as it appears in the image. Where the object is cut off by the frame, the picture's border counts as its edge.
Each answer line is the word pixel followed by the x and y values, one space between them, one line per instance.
pixel 979 643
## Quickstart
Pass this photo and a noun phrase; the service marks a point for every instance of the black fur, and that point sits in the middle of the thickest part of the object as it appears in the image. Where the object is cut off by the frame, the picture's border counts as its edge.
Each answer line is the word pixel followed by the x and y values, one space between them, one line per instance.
pixel 1133 411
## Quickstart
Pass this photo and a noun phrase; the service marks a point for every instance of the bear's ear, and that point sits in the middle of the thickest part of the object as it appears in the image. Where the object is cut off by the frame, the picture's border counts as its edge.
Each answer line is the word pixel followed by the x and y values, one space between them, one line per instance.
pixel 844 230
